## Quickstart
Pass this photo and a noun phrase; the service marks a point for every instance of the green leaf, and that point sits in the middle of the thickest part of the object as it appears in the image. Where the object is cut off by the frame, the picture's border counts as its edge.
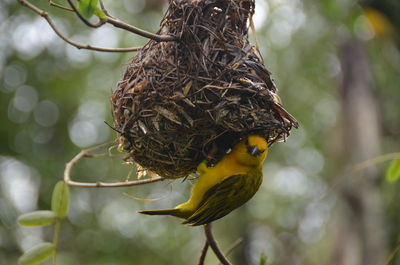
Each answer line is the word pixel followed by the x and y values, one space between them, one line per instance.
pixel 37 254
pixel 87 7
pixel 99 13
pixel 393 171
pixel 38 218
pixel 60 199
pixel 263 259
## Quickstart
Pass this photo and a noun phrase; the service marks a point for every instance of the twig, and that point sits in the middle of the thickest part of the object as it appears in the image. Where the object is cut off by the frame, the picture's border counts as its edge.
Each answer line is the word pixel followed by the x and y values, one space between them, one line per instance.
pixel 392 255
pixel 206 246
pixel 57 228
pixel 233 246
pixel 45 15
pixel 100 23
pixel 376 160
pixel 203 253
pixel 51 3
pixel 363 165
pixel 88 153
pixel 122 25
pixel 214 246
pixel 103 8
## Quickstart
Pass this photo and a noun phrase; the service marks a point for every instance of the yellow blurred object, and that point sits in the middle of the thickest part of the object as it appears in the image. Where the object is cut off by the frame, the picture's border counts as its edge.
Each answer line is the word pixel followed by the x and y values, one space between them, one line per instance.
pixel 378 23
pixel 226 186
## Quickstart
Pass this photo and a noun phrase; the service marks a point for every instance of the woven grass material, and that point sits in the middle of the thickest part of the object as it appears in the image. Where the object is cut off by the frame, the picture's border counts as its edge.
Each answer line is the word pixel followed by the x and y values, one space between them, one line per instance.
pixel 185 101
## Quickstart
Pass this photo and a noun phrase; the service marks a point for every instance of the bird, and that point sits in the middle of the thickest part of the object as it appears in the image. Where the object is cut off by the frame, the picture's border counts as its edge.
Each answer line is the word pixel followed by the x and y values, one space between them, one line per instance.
pixel 227 185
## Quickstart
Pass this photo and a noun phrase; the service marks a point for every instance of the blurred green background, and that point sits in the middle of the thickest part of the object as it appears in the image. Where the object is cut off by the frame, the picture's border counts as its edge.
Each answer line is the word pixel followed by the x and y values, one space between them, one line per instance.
pixel 337 66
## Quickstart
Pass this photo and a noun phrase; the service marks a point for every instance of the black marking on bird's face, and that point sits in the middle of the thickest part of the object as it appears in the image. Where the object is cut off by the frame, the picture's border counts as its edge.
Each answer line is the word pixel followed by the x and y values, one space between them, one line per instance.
pixel 254 151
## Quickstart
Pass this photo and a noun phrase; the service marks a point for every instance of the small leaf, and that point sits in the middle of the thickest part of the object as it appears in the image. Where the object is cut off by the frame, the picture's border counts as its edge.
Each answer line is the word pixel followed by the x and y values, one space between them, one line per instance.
pixel 100 14
pixel 38 218
pixel 263 259
pixel 393 171
pixel 60 199
pixel 37 254
pixel 87 7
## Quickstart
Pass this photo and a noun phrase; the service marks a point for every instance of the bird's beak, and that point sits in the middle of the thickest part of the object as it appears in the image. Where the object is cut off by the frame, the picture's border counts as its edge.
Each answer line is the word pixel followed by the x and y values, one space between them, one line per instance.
pixel 253 150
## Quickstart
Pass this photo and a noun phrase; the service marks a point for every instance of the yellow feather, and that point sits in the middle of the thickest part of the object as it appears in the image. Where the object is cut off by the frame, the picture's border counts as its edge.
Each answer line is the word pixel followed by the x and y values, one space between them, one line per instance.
pixel 229 184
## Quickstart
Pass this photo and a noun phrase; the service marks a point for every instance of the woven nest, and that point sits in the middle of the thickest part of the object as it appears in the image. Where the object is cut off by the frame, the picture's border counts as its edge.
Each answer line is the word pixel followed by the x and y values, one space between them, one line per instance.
pixel 184 101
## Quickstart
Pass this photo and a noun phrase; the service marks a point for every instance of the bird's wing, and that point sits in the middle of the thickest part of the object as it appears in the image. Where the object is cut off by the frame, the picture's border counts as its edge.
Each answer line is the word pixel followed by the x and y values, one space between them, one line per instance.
pixel 222 199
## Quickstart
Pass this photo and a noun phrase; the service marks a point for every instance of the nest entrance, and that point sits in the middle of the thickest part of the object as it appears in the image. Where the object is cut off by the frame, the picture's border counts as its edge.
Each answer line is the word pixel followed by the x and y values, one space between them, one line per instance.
pixel 185 101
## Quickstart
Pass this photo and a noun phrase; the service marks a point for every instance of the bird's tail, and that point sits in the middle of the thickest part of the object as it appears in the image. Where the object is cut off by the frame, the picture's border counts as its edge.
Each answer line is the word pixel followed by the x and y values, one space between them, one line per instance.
pixel 173 211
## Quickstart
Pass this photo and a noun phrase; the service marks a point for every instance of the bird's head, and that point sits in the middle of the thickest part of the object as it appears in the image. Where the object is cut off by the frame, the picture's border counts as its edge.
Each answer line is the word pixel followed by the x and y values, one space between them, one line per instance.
pixel 252 150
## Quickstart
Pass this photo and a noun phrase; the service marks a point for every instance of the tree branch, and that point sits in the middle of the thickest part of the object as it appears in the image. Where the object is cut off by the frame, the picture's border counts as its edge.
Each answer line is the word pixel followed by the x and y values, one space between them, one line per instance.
pixel 51 3
pixel 103 8
pixel 122 25
pixel 214 245
pixel 392 255
pixel 84 20
pixel 88 153
pixel 376 160
pixel 45 15
pixel 233 246
pixel 203 253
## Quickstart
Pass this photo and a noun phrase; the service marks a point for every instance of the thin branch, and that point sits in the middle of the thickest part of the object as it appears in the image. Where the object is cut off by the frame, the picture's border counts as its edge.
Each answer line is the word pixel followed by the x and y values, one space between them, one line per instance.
pixel 392 255
pixel 88 153
pixel 122 25
pixel 376 160
pixel 56 233
pixel 45 15
pixel 232 247
pixel 337 180
pixel 51 3
pixel 214 245
pixel 204 253
pixel 100 23
pixel 103 8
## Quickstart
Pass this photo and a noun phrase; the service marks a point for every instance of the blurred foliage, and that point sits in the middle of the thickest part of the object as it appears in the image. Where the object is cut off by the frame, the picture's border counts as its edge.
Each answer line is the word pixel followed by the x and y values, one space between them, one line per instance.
pixel 393 171
pixel 54 100
pixel 59 204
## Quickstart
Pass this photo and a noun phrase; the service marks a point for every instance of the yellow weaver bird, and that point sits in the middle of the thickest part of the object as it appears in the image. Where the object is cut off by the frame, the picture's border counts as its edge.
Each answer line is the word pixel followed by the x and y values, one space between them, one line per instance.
pixel 224 187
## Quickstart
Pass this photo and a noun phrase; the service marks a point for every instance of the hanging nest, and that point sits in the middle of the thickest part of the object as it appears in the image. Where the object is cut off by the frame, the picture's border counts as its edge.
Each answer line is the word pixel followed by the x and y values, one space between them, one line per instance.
pixel 184 101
